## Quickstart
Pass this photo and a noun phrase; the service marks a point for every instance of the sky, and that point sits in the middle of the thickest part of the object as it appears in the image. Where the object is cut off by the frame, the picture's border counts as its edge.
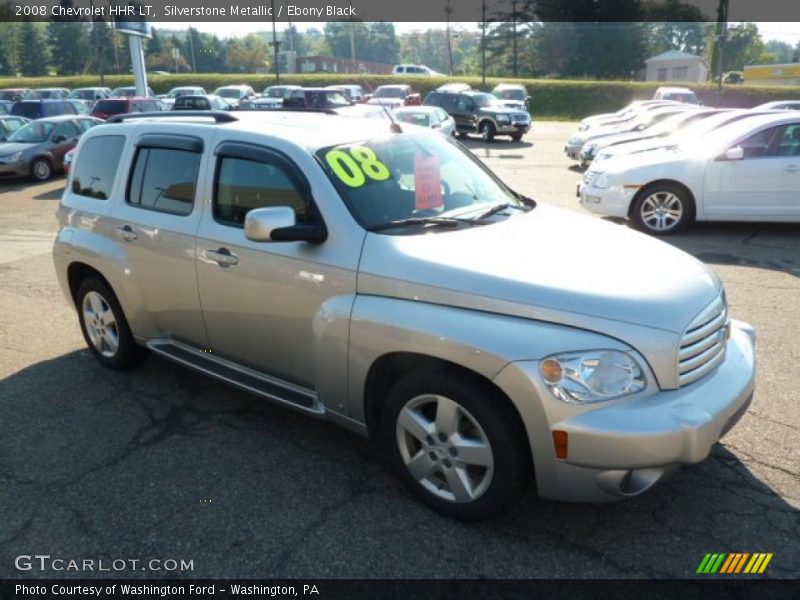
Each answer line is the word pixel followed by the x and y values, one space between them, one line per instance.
pixel 786 32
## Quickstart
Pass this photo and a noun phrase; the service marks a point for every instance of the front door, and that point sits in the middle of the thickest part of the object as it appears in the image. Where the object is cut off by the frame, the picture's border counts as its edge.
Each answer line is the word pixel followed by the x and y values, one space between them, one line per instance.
pixel 261 299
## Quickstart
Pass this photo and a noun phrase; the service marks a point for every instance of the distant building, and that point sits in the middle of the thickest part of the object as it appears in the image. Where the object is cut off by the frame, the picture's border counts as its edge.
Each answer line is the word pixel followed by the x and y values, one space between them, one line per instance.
pixel 676 66
pixel 332 64
pixel 785 74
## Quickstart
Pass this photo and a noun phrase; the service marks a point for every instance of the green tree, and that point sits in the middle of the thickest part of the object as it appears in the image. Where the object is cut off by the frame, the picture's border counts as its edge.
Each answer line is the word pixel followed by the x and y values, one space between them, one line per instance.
pixel 781 51
pixel 5 64
pixel 247 55
pixel 743 46
pixel 32 50
pixel 68 40
pixel 382 45
pixel 338 34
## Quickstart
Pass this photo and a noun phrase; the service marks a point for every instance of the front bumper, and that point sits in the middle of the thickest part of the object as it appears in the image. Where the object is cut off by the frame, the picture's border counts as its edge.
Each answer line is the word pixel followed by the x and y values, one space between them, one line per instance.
pixel 612 201
pixel 623 448
pixel 15 169
pixel 513 128
pixel 573 151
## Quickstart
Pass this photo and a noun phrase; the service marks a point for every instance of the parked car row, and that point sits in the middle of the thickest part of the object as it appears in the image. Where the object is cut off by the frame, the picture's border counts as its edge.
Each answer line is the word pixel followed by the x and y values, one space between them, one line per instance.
pixel 664 166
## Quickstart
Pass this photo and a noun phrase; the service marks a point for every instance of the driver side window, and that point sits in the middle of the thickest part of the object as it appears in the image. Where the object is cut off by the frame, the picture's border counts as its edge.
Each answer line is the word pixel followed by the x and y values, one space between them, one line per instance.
pixel 757 145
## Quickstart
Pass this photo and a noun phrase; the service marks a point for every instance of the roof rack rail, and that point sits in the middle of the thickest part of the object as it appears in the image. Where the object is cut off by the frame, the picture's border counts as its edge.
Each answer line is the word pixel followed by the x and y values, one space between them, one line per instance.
pixel 218 115
pixel 327 111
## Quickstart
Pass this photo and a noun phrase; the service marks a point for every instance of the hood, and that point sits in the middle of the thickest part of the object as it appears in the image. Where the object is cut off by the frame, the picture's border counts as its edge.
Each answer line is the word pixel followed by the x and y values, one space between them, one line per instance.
pixel 7 148
pixel 515 104
pixel 543 263
pixel 500 110
pixel 635 146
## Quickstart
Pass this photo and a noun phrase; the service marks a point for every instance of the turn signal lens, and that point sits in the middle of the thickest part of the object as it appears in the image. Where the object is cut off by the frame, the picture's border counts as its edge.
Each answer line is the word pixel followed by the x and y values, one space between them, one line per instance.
pixel 551 370
pixel 560 440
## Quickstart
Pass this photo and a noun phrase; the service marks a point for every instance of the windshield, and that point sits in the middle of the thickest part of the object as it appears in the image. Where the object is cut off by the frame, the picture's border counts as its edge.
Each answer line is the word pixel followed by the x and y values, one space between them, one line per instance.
pixel 83 94
pixel 408 176
pixel 512 94
pixel 228 93
pixel 177 92
pixel 415 118
pixel 111 107
pixel 679 97
pixel 485 100
pixel 390 92
pixel 32 133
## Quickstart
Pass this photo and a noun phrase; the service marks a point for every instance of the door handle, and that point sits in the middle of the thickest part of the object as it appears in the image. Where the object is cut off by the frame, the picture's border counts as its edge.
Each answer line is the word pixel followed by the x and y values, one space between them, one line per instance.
pixel 791 169
pixel 222 257
pixel 126 233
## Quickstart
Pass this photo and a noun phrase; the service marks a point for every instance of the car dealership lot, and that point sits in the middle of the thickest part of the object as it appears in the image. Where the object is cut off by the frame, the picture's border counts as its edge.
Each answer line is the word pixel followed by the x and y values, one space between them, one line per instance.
pixel 163 463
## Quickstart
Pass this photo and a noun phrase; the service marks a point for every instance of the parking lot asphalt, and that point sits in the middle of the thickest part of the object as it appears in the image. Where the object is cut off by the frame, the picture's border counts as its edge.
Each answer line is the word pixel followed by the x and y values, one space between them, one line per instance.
pixel 163 463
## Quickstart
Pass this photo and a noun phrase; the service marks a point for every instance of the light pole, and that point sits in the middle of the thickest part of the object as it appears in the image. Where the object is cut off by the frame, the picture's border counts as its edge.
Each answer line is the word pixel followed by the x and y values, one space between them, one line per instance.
pixel 483 43
pixel 275 45
pixel 722 28
pixel 448 9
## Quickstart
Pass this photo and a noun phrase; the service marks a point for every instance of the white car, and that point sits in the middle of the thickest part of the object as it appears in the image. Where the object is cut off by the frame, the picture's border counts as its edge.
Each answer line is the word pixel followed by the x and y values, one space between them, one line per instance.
pixel 431 117
pixel 745 171
pixel 235 94
pixel 779 105
pixel 629 112
pixel 676 94
pixel 638 123
pixel 655 130
pixel 703 125
pixel 414 70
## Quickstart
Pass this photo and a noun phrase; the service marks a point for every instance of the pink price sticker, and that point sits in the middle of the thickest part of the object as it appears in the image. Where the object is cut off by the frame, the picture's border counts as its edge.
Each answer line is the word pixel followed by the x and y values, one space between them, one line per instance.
pixel 427 182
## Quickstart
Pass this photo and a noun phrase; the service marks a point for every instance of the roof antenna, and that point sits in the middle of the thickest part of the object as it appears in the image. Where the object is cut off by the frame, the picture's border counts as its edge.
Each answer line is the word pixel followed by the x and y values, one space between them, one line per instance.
pixel 395 126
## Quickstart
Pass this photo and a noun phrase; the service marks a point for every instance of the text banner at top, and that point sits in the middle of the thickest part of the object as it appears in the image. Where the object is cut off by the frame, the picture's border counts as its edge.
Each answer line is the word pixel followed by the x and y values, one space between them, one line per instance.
pixel 189 11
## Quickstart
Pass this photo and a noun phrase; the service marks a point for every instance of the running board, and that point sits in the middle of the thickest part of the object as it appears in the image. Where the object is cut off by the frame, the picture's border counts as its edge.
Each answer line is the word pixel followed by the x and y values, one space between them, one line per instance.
pixel 241 377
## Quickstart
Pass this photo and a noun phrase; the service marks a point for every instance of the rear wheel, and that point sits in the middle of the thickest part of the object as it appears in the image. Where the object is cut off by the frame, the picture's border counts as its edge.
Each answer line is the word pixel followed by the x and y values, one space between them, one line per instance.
pixel 41 169
pixel 662 209
pixel 105 328
pixel 456 444
pixel 487 131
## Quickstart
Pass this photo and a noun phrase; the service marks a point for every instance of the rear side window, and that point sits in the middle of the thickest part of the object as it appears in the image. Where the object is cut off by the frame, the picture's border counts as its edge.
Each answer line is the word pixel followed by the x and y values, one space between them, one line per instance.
pixel 243 185
pixel 164 180
pixel 29 110
pixel 96 168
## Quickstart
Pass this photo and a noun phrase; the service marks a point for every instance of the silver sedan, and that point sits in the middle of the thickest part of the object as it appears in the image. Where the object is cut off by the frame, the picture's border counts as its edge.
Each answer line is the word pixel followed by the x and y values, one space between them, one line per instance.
pixel 427 116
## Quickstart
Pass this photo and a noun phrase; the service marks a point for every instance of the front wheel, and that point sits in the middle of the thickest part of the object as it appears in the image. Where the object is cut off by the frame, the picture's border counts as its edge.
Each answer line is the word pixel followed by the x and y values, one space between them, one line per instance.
pixel 41 170
pixel 105 328
pixel 662 209
pixel 487 131
pixel 516 136
pixel 456 444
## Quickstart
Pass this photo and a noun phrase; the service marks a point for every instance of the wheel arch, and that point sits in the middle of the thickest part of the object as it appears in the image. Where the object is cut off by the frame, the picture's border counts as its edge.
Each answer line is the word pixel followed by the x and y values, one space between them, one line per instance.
pixel 77 273
pixel 660 182
pixel 389 368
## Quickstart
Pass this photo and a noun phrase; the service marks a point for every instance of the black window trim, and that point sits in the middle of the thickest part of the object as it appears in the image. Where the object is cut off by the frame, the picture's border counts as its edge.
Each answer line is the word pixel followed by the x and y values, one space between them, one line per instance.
pixel 264 155
pixel 186 143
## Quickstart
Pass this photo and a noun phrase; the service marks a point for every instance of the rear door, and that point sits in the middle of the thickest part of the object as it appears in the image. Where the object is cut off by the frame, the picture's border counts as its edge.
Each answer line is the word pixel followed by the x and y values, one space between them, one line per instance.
pixel 156 225
pixel 64 138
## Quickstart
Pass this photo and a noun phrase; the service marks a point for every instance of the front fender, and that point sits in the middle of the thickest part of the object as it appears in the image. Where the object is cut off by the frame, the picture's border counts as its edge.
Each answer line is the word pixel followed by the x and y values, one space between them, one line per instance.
pixel 479 341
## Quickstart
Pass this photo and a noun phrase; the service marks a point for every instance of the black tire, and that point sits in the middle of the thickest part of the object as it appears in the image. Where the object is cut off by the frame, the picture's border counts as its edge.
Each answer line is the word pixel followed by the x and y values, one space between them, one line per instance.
pixel 128 353
pixel 662 209
pixel 516 136
pixel 41 169
pixel 487 131
pixel 498 427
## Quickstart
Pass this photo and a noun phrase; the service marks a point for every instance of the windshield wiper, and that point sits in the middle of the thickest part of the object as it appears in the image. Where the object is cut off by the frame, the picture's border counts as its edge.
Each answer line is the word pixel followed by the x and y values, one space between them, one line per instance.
pixel 437 221
pixel 500 208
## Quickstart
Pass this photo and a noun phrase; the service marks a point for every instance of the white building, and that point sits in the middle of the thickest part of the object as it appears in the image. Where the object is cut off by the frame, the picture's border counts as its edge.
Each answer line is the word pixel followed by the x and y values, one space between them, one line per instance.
pixel 676 66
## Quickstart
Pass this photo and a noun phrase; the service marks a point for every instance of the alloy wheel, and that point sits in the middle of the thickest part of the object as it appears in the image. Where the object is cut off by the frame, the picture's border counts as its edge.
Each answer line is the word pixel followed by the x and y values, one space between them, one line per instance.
pixel 661 211
pixel 101 325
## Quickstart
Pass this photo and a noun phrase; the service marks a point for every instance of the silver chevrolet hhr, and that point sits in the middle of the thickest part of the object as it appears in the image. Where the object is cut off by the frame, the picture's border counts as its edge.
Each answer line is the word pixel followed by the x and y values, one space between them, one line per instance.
pixel 386 280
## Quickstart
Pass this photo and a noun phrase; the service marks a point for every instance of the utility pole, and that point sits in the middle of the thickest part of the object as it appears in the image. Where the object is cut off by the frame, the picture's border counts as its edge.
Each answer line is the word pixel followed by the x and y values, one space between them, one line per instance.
pixel 97 52
pixel 514 36
pixel 722 30
pixel 275 45
pixel 448 9
pixel 353 42
pixel 191 51
pixel 483 43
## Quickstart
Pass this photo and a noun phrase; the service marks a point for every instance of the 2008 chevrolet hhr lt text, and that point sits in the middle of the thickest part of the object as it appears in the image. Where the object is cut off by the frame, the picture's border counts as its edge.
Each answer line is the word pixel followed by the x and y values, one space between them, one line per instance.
pixel 386 280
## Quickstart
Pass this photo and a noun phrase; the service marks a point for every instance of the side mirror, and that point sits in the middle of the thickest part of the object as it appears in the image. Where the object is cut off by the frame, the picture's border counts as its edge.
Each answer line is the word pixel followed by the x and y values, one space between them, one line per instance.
pixel 59 139
pixel 735 153
pixel 278 224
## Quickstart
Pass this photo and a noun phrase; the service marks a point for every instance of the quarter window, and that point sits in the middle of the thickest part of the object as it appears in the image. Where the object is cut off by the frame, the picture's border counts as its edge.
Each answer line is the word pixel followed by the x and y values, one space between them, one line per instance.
pixel 95 170
pixel 243 185
pixel 164 180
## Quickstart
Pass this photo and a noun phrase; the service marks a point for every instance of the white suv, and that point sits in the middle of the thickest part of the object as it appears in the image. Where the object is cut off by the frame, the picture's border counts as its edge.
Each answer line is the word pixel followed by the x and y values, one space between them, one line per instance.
pixel 414 70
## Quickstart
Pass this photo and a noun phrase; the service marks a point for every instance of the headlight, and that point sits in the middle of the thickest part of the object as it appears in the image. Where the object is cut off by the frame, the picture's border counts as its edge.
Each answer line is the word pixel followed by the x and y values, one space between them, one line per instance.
pixel 503 119
pixel 592 376
pixel 575 140
pixel 12 157
pixel 601 181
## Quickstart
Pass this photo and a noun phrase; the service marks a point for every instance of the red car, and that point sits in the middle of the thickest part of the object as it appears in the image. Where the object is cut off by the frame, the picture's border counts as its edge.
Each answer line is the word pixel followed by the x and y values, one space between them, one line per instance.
pixel 394 96
pixel 108 107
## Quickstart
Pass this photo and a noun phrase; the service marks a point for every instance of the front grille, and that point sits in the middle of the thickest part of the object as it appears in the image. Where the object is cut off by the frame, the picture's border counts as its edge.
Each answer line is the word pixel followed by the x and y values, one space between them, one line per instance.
pixel 702 347
pixel 521 119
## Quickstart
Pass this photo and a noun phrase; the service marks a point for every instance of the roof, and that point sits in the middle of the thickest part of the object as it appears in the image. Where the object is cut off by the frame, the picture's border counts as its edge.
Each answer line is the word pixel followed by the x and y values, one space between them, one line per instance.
pixel 309 130
pixel 675 55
